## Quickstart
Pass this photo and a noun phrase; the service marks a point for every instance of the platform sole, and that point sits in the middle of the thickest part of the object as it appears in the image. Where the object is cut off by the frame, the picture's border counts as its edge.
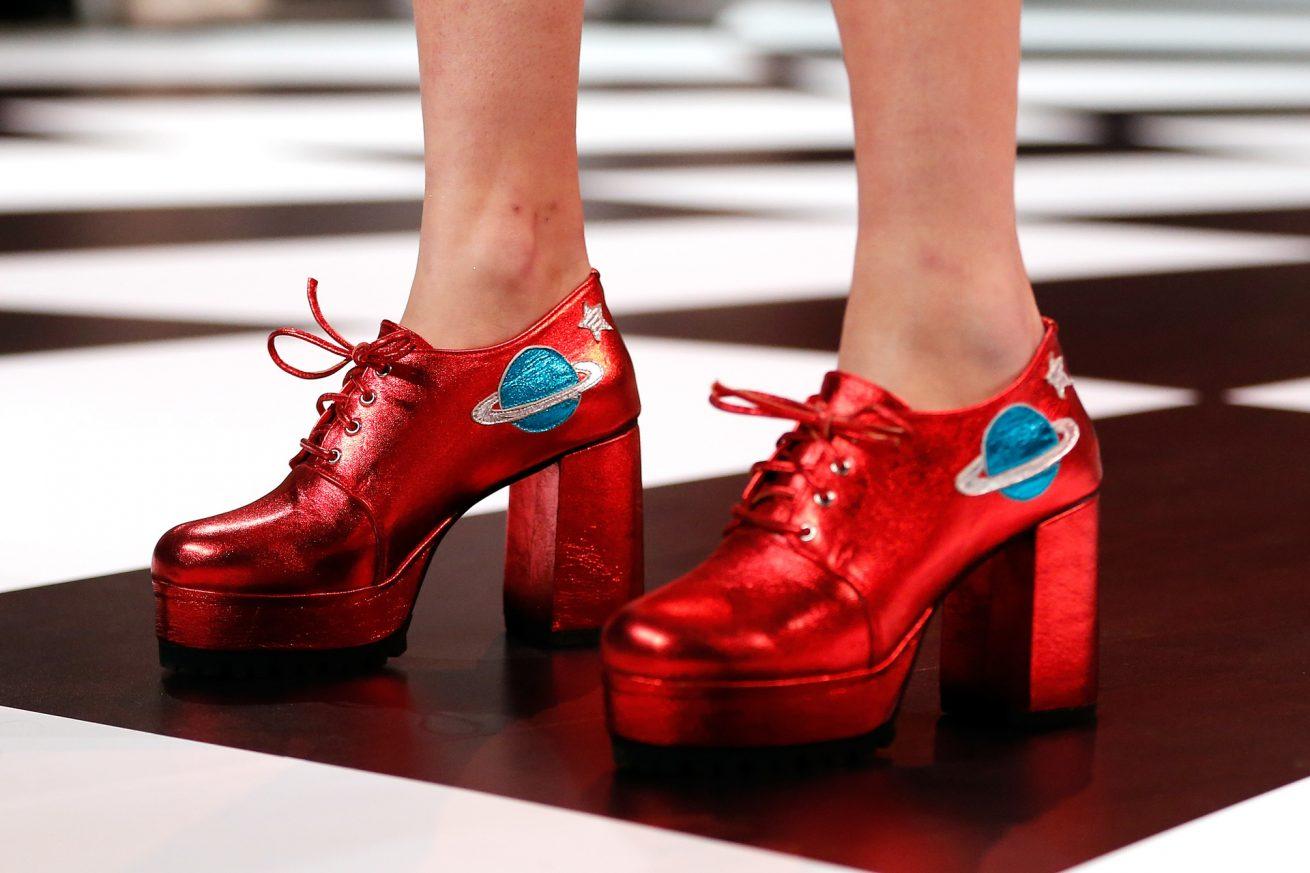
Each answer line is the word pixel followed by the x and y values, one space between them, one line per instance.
pixel 282 663
pixel 735 716
pixel 311 624
pixel 744 761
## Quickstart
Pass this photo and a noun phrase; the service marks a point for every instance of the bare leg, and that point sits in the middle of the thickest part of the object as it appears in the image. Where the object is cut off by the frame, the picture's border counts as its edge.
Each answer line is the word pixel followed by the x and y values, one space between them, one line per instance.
pixel 941 311
pixel 501 238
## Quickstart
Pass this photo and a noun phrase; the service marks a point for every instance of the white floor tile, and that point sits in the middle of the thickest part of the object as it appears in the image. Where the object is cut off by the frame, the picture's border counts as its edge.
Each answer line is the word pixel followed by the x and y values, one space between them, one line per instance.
pixel 798 26
pixel 822 188
pixel 1107 398
pixel 1163 31
pixel 1086 250
pixel 63 177
pixel 618 54
pixel 246 126
pixel 1046 187
pixel 1292 395
pixel 1124 85
pixel 188 151
pixel 1284 138
pixel 358 53
pixel 355 53
pixel 1156 184
pixel 630 121
pixel 1263 833
pixel 782 25
pixel 710 121
pixel 82 796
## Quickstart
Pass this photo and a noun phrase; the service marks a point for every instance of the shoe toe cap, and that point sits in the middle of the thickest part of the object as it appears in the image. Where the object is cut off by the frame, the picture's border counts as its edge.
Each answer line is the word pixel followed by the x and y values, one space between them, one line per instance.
pixel 276 545
pixel 707 632
pixel 201 555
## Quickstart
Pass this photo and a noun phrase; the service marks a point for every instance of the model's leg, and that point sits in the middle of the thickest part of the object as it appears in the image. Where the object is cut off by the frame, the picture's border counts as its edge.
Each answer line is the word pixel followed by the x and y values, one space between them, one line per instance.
pixel 502 216
pixel 941 311
pixel 851 535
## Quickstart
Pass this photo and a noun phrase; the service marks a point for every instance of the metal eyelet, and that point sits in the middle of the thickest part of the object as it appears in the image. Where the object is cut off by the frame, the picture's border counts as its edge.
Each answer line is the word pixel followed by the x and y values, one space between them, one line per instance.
pixel 807 533
pixel 367 399
pixel 842 467
pixel 353 426
pixel 825 498
pixel 335 456
pixel 385 370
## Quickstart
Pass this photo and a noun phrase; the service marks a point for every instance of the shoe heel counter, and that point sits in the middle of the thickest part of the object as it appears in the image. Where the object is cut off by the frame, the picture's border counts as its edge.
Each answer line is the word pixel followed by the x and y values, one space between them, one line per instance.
pixel 1085 458
pixel 574 545
pixel 625 388
pixel 1019 630
pixel 1087 454
pixel 622 403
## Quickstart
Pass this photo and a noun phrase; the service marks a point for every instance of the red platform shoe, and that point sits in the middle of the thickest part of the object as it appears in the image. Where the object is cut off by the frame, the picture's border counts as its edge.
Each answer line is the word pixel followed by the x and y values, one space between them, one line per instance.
pixel 803 624
pixel 327 566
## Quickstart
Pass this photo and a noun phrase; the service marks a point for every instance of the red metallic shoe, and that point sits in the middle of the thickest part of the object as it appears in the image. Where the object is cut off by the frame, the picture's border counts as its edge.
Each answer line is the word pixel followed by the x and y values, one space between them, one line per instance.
pixel 325 569
pixel 803 624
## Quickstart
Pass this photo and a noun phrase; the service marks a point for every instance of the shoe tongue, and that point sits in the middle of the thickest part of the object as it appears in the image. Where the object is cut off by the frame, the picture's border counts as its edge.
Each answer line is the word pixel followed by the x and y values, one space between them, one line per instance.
pixel 847 394
pixel 389 327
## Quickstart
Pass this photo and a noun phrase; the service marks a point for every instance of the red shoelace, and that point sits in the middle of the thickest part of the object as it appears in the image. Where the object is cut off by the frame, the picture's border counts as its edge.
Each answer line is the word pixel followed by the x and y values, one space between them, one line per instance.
pixel 377 355
pixel 816 424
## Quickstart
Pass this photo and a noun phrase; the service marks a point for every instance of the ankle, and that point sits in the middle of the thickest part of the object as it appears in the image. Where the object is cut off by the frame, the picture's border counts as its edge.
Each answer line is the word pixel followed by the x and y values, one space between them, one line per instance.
pixel 483 279
pixel 942 345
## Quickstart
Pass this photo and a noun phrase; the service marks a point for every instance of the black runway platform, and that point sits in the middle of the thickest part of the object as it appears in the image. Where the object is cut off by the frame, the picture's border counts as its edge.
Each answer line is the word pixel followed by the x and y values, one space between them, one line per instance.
pixel 1205 696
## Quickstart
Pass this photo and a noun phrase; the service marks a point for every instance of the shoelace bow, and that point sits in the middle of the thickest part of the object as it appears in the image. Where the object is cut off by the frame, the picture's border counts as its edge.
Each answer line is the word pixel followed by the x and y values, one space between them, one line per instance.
pixel 816 423
pixel 376 355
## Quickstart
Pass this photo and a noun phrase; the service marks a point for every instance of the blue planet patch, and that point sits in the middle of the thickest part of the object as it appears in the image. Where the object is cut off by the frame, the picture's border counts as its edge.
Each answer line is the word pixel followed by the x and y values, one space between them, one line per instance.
pixel 534 374
pixel 1019 434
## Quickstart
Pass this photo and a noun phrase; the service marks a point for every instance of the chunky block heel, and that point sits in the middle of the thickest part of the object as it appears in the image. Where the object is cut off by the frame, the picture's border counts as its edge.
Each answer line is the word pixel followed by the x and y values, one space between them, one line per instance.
pixel 1019 631
pixel 574 542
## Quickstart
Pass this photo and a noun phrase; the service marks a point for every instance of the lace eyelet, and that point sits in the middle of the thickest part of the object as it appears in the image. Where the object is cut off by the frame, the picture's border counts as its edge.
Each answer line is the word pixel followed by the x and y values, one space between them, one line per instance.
pixel 353 426
pixel 825 498
pixel 807 534
pixel 842 467
pixel 335 456
pixel 385 370
pixel 367 399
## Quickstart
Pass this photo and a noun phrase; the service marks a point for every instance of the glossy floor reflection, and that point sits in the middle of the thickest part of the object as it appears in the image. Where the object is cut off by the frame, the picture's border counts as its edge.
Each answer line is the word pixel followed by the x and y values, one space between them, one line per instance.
pixel 1202 705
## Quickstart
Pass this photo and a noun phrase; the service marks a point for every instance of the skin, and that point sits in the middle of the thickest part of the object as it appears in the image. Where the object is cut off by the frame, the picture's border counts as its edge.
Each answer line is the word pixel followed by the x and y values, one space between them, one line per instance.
pixel 940 312
pixel 501 237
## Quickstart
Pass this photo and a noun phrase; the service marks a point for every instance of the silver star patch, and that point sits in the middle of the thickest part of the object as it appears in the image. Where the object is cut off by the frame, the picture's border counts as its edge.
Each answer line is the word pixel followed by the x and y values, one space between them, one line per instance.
pixel 1057 375
pixel 593 319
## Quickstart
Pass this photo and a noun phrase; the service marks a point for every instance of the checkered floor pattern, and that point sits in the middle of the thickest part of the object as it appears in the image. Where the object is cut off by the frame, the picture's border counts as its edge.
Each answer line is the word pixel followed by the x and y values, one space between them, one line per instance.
pixel 165 195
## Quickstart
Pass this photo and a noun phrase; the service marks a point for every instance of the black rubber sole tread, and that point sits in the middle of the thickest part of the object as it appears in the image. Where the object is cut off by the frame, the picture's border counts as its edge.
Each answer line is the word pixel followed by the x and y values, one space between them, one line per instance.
pixel 1001 718
pixel 281 663
pixel 570 639
pixel 745 762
